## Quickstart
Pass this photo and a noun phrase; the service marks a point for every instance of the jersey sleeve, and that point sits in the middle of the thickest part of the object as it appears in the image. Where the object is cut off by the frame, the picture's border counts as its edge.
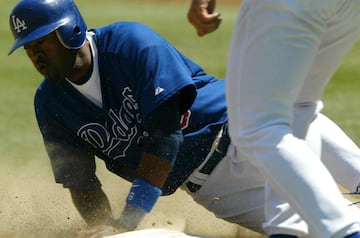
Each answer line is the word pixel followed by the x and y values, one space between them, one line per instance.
pixel 165 75
pixel 72 163
pixel 157 69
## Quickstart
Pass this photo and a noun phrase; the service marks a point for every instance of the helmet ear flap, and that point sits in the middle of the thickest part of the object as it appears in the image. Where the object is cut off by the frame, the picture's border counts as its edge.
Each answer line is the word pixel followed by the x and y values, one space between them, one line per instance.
pixel 72 36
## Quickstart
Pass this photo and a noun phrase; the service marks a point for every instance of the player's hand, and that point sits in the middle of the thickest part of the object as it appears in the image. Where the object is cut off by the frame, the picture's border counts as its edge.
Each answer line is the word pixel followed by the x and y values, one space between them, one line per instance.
pixel 202 16
pixel 100 231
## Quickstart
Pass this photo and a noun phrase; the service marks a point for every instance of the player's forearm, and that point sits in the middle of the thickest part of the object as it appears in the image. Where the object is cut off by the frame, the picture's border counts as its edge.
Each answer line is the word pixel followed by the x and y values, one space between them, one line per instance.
pixel 160 151
pixel 93 206
pixel 154 169
pixel 145 190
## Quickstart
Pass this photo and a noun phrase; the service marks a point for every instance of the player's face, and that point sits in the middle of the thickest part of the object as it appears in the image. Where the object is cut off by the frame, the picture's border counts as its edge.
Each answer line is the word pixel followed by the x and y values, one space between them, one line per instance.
pixel 51 58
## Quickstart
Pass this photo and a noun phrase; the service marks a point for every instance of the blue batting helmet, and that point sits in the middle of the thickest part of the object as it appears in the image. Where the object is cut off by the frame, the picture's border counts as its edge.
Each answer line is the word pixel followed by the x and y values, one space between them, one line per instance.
pixel 33 19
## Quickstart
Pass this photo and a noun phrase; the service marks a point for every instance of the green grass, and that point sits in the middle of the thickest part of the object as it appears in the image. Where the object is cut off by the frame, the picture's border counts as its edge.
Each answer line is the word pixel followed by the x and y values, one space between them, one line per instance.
pixel 341 97
pixel 19 137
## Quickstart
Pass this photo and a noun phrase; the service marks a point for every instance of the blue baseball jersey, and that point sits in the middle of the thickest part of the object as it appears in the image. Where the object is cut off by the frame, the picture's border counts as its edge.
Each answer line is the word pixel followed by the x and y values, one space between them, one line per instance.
pixel 139 71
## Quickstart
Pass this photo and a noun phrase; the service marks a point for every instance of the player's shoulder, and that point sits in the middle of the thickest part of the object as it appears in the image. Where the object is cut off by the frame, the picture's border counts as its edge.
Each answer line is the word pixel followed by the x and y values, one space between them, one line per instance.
pixel 48 91
pixel 45 88
pixel 44 96
pixel 123 28
pixel 126 33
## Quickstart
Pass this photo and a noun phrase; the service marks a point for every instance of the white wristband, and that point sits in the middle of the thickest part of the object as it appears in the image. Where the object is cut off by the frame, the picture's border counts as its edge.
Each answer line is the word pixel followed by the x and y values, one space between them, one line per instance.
pixel 131 216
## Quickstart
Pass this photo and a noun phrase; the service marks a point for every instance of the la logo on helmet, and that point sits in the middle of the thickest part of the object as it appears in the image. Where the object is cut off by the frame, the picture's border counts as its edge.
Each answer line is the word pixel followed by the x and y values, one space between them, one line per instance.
pixel 19 25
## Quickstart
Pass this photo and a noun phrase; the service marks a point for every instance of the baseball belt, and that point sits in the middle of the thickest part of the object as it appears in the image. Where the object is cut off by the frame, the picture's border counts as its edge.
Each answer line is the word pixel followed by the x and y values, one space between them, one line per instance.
pixel 217 152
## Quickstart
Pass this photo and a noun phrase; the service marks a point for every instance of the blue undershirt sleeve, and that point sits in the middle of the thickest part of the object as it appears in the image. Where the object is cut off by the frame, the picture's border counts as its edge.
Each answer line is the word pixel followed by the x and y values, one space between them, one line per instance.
pixel 163 126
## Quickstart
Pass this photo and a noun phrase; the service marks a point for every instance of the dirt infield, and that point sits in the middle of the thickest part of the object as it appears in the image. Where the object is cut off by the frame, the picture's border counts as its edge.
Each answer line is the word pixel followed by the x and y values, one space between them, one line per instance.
pixel 33 206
